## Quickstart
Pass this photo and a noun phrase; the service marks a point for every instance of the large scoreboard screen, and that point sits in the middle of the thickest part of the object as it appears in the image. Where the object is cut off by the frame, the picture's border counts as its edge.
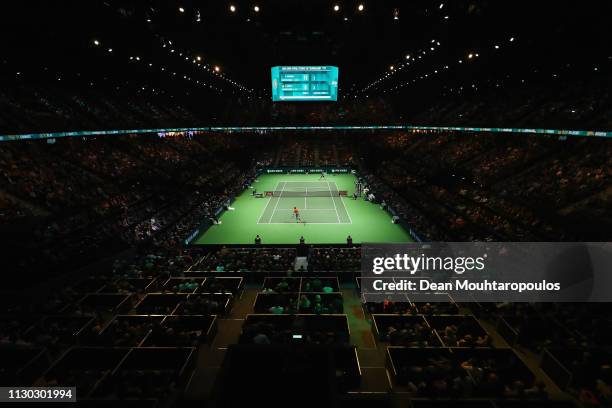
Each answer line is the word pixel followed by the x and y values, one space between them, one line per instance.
pixel 315 83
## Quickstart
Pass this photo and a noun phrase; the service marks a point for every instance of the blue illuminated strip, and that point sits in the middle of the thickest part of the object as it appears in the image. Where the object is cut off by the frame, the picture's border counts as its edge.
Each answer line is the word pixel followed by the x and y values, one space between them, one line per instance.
pixel 249 129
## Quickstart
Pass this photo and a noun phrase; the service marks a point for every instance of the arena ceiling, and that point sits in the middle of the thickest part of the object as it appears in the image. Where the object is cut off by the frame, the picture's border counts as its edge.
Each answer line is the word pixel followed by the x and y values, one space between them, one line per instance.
pixel 407 47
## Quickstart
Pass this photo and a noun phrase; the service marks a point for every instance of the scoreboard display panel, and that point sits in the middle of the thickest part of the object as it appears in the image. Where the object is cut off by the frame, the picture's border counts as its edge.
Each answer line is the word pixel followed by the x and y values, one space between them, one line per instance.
pixel 311 83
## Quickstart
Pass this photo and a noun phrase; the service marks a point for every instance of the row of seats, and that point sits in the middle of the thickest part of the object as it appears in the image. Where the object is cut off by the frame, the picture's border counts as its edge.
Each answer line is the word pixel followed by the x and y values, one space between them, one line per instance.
pixel 115 337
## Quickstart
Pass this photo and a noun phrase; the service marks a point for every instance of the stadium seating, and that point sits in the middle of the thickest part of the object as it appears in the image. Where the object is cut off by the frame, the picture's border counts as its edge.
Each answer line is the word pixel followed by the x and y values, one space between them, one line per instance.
pixel 140 316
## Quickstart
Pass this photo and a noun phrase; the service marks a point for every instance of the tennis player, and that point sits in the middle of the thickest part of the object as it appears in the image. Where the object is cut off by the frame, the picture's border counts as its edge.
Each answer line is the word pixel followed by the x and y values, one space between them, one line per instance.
pixel 322 175
pixel 296 213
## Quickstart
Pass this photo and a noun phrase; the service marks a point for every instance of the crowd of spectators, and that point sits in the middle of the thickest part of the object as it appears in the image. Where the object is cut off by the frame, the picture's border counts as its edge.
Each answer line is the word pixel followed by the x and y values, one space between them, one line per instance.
pixel 157 192
pixel 334 259
pixel 562 104
pixel 263 333
pixel 445 376
pixel 249 259
pixel 115 192
pixel 410 334
pixel 479 187
pixel 79 199
pixel 26 108
pixel 454 336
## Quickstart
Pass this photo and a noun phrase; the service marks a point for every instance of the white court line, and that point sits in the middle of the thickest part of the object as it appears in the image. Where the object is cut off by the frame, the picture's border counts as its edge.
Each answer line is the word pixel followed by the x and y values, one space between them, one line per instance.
pixel 334 201
pixel 266 207
pixel 307 209
pixel 307 223
pixel 345 209
pixel 277 201
pixel 305 196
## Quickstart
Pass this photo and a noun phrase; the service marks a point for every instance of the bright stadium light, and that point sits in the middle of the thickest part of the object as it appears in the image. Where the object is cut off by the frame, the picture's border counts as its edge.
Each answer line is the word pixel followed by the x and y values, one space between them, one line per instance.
pixel 360 7
pixel 181 9
pixel 199 58
pixel 256 9
pixel 232 8
pixel 96 42
pixel 407 56
pixel 336 7
pixel 217 68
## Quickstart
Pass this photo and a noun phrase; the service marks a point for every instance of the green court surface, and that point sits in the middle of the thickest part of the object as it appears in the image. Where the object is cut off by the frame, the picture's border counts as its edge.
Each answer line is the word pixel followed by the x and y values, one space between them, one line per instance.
pixel 325 217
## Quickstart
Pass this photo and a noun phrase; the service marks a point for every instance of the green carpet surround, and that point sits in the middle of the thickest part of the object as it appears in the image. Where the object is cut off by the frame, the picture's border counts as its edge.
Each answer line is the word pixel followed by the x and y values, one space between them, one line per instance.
pixel 325 216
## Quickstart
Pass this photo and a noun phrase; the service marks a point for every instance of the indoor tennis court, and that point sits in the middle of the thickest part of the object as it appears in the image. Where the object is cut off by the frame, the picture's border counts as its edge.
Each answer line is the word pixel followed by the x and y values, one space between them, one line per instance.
pixel 318 202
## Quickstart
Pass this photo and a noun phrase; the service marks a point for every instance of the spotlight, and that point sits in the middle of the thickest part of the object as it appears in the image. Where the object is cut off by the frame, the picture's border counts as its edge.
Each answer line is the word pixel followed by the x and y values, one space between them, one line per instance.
pixel 96 42
pixel 181 9
pixel 336 7
pixel 232 8
pixel 217 68
pixel 360 7
pixel 256 9
pixel 199 58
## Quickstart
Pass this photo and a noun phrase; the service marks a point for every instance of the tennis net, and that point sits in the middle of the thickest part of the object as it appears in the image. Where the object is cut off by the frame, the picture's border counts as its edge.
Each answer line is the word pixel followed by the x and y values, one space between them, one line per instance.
pixel 305 193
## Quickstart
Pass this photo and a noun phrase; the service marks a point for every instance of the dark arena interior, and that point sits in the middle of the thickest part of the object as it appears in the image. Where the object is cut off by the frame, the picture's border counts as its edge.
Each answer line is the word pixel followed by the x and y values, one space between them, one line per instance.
pixel 188 189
